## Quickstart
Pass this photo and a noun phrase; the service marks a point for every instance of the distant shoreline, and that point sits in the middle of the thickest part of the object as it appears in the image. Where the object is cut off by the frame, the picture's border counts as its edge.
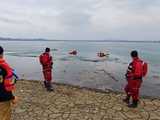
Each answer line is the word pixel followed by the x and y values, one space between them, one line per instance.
pixel 83 41
pixel 49 40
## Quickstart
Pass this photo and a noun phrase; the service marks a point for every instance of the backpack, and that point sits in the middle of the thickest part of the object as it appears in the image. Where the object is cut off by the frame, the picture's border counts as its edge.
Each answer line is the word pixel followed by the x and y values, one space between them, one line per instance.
pixel 2 75
pixel 141 68
pixel 145 69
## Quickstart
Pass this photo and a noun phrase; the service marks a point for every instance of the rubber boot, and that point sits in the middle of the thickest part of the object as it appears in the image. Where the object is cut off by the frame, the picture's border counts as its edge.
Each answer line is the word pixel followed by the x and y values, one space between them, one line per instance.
pixel 45 84
pixel 134 104
pixel 126 100
pixel 49 87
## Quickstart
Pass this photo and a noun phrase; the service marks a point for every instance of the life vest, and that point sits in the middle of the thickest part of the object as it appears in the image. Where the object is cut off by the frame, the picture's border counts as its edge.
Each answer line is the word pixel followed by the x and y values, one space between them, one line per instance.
pixel 145 69
pixel 7 80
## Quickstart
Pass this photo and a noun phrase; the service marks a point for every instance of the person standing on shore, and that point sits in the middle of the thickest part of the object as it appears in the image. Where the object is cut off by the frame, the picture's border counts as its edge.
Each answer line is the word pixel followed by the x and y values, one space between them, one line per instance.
pixel 47 63
pixel 137 69
pixel 7 86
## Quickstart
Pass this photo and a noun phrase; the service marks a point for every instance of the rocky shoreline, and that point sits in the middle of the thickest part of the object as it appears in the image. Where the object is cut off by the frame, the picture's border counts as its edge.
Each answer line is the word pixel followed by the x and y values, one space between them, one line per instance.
pixel 75 103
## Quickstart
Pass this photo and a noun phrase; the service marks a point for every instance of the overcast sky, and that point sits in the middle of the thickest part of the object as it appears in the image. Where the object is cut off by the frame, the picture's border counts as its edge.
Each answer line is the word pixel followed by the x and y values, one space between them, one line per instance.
pixel 81 19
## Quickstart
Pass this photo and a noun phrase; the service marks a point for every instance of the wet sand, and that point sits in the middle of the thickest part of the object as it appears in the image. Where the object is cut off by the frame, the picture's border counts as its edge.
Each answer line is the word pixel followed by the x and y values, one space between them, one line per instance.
pixel 76 103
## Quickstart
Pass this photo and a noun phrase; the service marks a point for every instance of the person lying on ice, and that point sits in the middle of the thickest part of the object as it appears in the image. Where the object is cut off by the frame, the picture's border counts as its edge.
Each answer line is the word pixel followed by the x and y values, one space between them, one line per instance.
pixel 137 69
pixel 47 63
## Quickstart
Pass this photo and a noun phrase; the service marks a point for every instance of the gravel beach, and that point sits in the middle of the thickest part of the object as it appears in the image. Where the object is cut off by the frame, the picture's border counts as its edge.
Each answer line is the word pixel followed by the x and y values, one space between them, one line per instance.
pixel 75 103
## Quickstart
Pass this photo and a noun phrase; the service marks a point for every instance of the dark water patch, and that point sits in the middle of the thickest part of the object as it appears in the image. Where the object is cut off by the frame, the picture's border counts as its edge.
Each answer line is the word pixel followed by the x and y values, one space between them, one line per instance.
pixel 30 53
pixel 64 59
pixel 114 59
pixel 54 49
pixel 91 60
pixel 22 55
pixel 80 58
pixel 118 60
pixel 158 84
pixel 156 76
pixel 109 74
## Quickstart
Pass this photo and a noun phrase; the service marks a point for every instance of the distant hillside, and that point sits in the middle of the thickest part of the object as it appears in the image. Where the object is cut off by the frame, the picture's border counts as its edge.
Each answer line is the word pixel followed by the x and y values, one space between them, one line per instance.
pixel 22 39
pixel 41 39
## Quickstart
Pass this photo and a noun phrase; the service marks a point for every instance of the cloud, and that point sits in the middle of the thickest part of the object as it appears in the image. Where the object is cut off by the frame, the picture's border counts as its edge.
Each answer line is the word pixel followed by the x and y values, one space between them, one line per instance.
pixel 81 19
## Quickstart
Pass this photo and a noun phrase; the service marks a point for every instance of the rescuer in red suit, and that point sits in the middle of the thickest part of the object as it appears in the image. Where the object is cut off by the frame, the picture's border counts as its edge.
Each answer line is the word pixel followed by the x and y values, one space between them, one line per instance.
pixel 46 62
pixel 137 69
pixel 73 52
pixel 7 86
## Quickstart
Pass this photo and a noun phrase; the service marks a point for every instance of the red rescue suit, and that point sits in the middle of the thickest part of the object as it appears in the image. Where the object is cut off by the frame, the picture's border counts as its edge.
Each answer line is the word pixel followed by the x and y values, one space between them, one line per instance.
pixel 46 62
pixel 134 77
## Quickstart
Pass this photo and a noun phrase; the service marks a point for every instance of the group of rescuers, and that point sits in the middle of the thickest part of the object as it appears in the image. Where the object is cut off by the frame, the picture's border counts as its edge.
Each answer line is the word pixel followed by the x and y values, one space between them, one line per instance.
pixel 136 70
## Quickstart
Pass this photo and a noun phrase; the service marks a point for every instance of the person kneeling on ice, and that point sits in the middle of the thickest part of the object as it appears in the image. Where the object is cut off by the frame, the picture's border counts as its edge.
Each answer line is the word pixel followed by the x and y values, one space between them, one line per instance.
pixel 101 54
pixel 7 86
pixel 73 52
pixel 47 63
pixel 137 69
